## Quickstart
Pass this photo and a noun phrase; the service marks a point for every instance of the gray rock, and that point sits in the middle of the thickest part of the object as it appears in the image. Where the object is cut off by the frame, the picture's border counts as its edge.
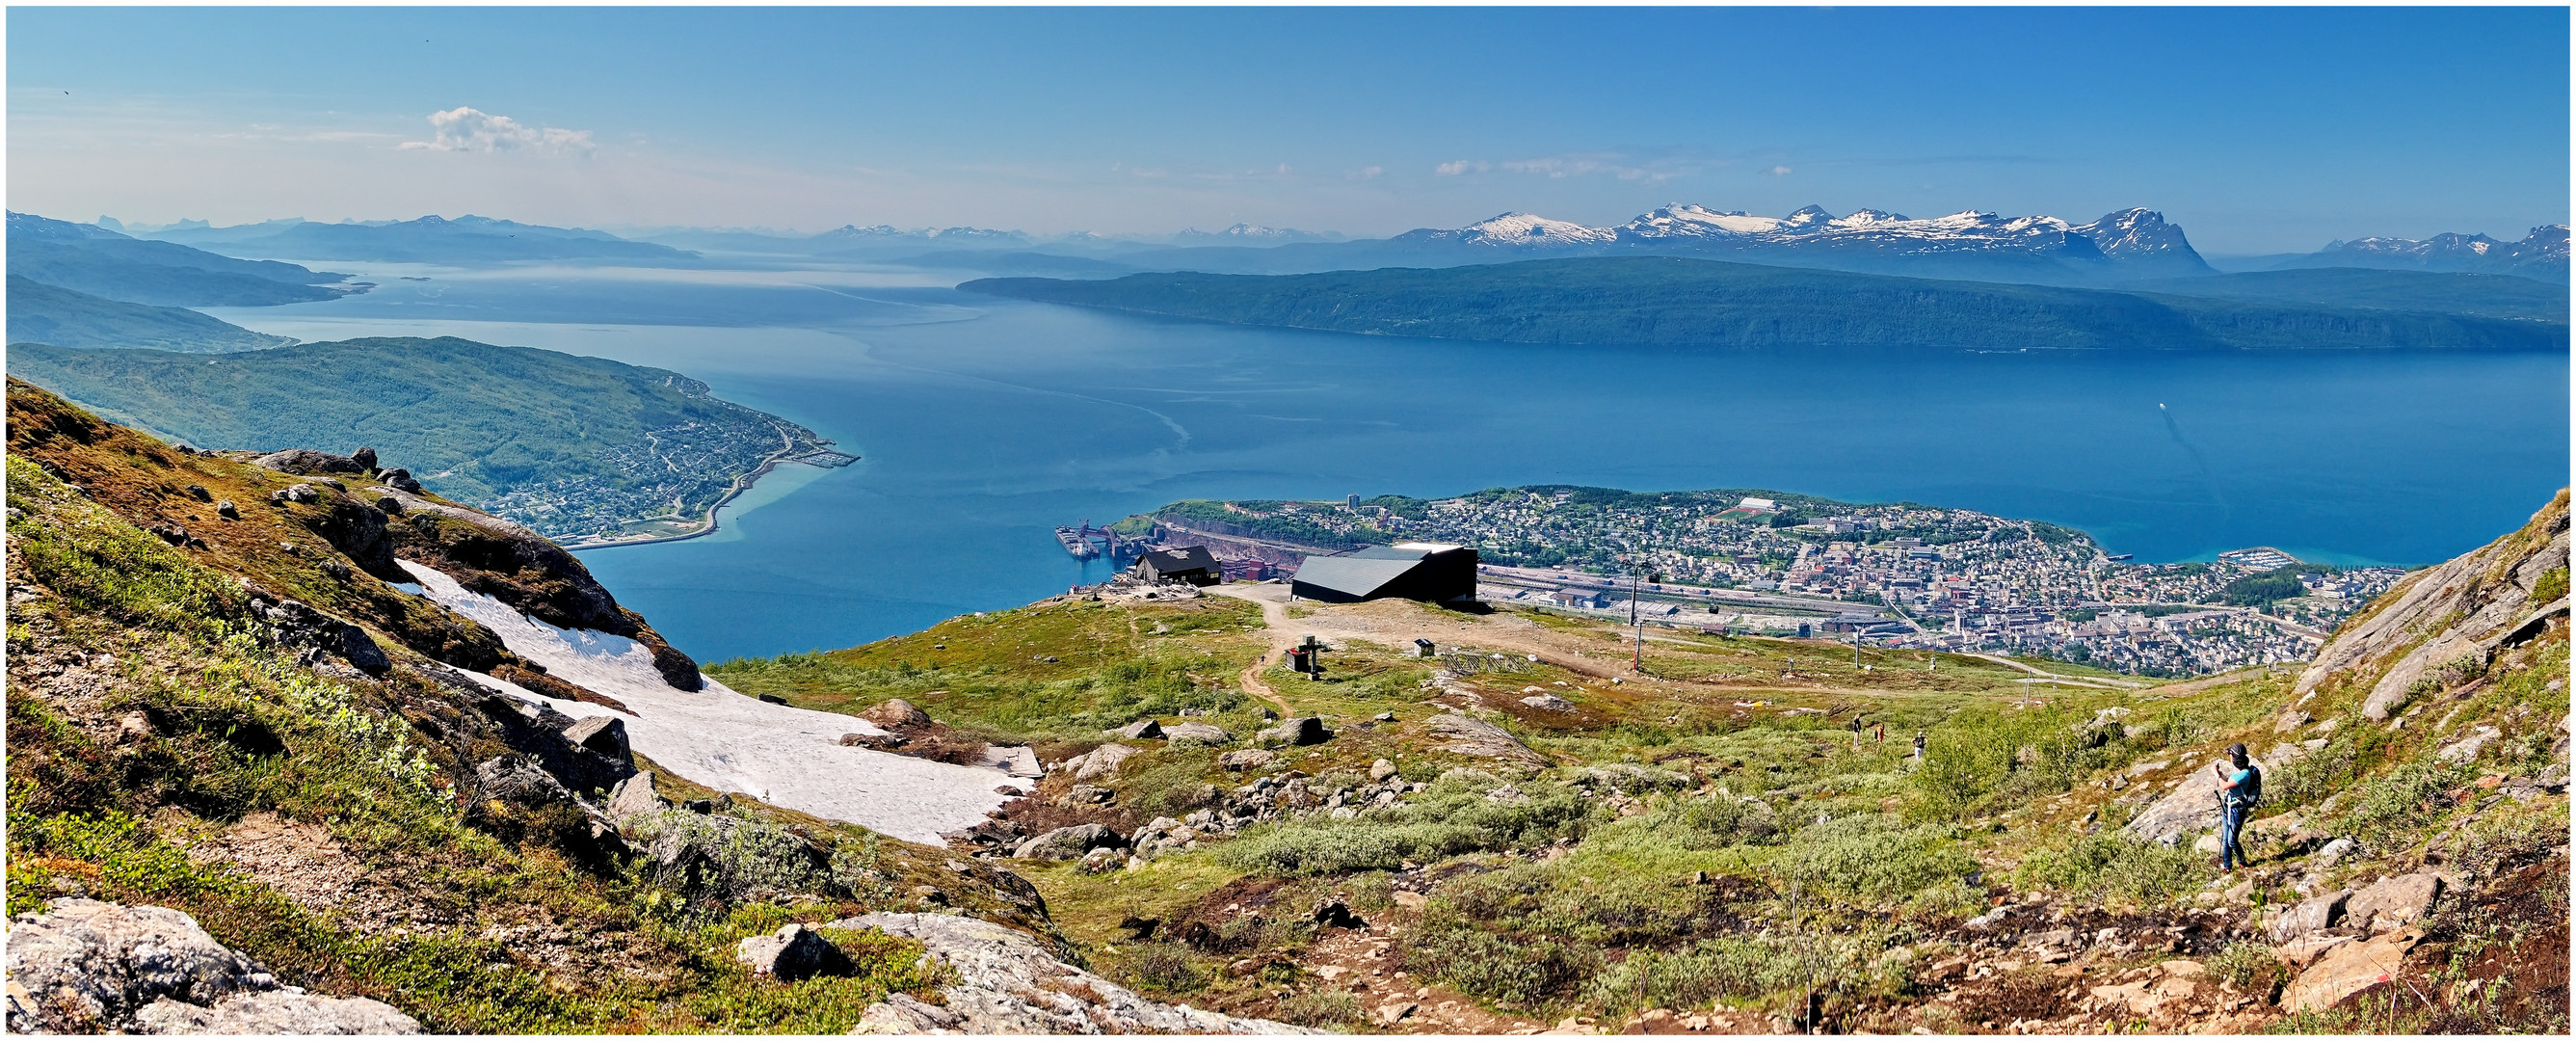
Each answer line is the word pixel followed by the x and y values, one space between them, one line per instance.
pixel 1548 703
pixel 2467 748
pixel 880 742
pixel 307 461
pixel 1303 730
pixel 2311 915
pixel 1381 769
pixel 1247 759
pixel 518 780
pixel 605 735
pixel 365 458
pixel 2393 902
pixel 401 480
pixel 1140 730
pixel 276 1012
pixel 1196 734
pixel 1069 843
pixel 634 797
pixel 1100 762
pixel 794 952
pixel 2333 852
pixel 1475 737
pixel 1015 760
pixel 896 712
pixel 1006 982
pixel 2192 806
pixel 84 966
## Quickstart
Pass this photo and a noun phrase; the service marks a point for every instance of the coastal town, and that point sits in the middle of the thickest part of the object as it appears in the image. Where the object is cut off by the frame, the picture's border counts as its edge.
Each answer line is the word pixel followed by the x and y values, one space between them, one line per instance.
pixel 669 481
pixel 1899 576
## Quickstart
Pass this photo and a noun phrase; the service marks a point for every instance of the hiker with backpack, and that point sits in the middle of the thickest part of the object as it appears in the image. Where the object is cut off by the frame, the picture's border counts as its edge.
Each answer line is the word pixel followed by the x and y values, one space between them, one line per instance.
pixel 2241 792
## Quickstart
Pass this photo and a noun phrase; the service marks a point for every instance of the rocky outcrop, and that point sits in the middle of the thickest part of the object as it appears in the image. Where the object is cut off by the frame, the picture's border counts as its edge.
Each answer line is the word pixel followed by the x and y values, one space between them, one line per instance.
pixel 1008 983
pixel 87 967
pixel 1196 734
pixel 2457 612
pixel 1069 843
pixel 305 462
pixel 1475 737
pixel 521 568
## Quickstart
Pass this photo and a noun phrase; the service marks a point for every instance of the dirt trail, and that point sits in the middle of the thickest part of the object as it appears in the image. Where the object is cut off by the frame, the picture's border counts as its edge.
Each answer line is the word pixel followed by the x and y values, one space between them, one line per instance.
pixel 1397 623
pixel 2040 673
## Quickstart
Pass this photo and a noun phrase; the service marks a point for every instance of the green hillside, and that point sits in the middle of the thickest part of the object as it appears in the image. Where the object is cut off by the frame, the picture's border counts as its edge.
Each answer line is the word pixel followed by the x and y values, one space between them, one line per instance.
pixel 1674 302
pixel 2447 292
pixel 65 318
pixel 568 445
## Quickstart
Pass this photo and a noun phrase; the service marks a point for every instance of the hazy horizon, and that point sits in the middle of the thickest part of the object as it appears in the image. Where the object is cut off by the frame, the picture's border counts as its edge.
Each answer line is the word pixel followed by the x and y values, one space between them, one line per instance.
pixel 2258 131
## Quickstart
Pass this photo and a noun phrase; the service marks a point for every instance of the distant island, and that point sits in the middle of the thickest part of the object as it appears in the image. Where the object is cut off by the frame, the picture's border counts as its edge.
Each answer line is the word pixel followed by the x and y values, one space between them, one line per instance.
pixel 586 451
pixel 1685 303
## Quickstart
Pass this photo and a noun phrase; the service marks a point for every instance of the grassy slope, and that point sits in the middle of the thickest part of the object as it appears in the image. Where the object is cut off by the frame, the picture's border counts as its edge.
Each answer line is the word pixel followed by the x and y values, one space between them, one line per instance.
pixel 152 718
pixel 2018 801
pixel 1671 302
pixel 471 420
pixel 66 318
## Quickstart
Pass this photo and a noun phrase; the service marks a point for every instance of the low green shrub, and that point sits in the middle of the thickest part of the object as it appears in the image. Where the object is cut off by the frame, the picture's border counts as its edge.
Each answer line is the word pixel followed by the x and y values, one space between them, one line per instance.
pixel 1873 857
pixel 2110 864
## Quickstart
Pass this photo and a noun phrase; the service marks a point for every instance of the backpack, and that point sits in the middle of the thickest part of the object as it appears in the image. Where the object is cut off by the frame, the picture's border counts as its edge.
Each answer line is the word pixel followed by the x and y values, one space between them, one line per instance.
pixel 2250 793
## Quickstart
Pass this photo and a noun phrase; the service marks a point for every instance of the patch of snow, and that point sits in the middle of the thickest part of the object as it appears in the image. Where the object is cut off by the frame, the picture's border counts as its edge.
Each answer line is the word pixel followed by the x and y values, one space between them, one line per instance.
pixel 728 741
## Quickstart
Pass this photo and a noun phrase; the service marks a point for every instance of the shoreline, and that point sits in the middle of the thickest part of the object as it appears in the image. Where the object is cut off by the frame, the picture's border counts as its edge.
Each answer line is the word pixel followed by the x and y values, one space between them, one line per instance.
pixel 707 525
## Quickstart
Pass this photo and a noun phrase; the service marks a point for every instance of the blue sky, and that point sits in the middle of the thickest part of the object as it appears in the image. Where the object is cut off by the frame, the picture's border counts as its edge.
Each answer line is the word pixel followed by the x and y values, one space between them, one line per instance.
pixel 2258 130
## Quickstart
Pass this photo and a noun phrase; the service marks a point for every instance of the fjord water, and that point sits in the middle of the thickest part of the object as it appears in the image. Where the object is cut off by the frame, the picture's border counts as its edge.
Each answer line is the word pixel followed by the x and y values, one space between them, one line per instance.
pixel 985 423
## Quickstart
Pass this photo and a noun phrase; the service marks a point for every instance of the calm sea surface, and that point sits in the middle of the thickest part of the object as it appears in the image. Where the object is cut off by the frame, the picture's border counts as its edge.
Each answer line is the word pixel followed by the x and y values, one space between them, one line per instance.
pixel 985 423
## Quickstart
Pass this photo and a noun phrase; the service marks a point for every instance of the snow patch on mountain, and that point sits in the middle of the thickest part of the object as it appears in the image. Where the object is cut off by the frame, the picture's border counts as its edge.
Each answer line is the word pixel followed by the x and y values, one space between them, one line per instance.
pixel 789 757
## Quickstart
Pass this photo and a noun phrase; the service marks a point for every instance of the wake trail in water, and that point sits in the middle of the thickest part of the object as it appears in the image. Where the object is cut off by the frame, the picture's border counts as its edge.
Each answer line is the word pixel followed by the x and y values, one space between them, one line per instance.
pixel 2208 480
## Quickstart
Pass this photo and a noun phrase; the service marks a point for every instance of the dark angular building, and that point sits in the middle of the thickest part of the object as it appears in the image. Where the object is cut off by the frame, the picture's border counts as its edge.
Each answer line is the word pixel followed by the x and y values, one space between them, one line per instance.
pixel 1427 571
pixel 1191 564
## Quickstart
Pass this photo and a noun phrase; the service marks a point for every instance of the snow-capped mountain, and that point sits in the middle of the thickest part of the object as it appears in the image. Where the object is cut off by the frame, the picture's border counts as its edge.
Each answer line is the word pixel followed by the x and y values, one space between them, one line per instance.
pixel 853 236
pixel 1248 235
pixel 2540 254
pixel 1516 231
pixel 2128 244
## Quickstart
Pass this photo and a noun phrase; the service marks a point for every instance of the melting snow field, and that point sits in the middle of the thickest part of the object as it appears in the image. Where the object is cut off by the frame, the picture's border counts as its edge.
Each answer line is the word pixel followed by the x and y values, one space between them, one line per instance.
pixel 728 741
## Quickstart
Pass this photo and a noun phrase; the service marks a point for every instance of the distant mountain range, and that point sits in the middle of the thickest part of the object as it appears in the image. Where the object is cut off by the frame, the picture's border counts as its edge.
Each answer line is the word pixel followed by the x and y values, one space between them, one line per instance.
pixel 431 240
pixel 1693 303
pixel 99 262
pixel 2542 254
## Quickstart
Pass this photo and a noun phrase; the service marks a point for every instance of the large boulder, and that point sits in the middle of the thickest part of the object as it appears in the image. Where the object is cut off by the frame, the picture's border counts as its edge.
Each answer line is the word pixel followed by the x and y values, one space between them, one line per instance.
pixel 727 860
pixel 87 967
pixel 1247 758
pixel 2392 902
pixel 307 462
pixel 1465 735
pixel 1140 730
pixel 896 713
pixel 1003 981
pixel 1303 730
pixel 1069 843
pixel 2314 914
pixel 1099 762
pixel 1196 734
pixel 2347 969
pixel 634 797
pixel 2192 806
pixel 605 735
pixel 794 952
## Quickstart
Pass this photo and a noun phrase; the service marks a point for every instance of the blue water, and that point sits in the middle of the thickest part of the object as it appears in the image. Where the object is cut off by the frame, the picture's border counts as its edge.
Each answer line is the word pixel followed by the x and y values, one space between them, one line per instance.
pixel 986 423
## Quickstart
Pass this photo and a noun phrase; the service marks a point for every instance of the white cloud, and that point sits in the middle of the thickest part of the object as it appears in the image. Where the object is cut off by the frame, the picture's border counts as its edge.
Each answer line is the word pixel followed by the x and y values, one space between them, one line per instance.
pixel 1622 165
pixel 1779 171
pixel 465 129
pixel 1367 173
pixel 1462 166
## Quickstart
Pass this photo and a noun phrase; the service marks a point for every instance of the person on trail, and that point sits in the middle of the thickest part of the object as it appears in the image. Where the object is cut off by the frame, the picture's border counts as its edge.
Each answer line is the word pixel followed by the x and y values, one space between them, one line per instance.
pixel 2243 789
